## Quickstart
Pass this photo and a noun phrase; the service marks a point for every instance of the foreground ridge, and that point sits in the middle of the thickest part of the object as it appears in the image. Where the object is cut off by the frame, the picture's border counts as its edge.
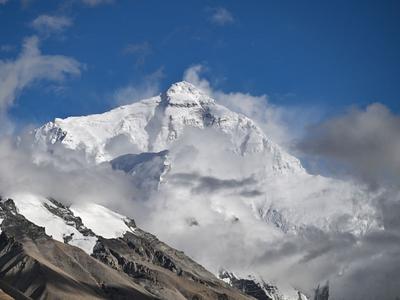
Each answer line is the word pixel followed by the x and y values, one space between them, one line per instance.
pixel 136 266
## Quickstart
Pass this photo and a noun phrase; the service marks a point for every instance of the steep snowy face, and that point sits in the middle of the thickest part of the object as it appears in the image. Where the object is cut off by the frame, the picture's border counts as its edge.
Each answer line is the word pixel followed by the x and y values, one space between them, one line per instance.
pixel 152 125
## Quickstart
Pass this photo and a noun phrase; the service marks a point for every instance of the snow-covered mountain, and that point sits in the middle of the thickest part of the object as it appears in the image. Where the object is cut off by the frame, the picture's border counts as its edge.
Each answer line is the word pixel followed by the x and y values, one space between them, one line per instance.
pixel 159 123
pixel 207 180
pixel 152 125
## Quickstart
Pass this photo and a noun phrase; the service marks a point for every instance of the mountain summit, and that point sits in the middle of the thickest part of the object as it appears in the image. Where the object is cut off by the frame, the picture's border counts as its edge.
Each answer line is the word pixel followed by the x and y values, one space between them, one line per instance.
pixel 154 124
pixel 185 94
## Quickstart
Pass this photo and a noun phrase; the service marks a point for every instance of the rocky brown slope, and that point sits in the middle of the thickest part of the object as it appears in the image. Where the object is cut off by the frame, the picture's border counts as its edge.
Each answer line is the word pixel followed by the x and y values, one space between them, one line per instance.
pixel 136 266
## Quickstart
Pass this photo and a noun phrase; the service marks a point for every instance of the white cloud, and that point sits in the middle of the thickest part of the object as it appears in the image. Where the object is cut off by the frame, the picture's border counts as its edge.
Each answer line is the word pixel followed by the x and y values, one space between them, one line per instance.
pixel 96 2
pixel 222 16
pixel 193 75
pixel 29 67
pixel 47 24
pixel 62 174
pixel 3 2
pixel 134 92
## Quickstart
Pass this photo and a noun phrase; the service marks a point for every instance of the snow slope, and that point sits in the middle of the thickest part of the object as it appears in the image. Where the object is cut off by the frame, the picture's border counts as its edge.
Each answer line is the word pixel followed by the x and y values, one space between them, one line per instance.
pixel 102 221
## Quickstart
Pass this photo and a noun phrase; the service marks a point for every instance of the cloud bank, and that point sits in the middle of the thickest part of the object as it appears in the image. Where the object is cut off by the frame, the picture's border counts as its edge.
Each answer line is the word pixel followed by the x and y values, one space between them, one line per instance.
pixel 365 141
pixel 365 144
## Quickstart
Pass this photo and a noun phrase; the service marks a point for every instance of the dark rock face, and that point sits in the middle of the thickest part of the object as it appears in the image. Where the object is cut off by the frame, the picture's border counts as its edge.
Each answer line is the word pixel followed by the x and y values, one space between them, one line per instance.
pixel 322 293
pixel 16 225
pixel 136 266
pixel 152 263
pixel 118 262
pixel 67 215
pixel 56 134
pixel 256 288
pixel 249 286
pixel 34 266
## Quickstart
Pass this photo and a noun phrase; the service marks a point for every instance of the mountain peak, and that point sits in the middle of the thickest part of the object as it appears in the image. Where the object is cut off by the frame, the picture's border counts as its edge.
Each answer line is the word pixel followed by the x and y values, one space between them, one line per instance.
pixel 184 87
pixel 152 125
pixel 185 94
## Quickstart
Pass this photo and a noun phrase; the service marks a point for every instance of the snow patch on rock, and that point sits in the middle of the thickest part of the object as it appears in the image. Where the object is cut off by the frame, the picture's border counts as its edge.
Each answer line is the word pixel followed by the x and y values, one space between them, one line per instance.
pixel 32 207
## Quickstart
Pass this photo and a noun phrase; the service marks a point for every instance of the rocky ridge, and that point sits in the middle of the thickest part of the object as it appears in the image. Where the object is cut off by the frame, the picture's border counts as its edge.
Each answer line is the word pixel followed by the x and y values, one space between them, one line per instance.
pixel 137 265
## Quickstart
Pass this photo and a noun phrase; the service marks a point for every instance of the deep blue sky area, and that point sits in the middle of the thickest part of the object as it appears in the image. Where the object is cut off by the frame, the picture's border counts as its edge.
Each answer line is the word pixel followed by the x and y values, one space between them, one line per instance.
pixel 331 54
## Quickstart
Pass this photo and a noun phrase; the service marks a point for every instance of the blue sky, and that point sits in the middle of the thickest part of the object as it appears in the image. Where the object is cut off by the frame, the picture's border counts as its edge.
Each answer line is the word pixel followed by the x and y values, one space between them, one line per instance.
pixel 327 54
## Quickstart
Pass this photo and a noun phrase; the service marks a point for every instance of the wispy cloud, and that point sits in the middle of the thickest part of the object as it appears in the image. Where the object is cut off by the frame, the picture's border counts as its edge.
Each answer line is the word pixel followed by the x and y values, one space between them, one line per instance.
pixel 30 67
pixel 149 87
pixel 3 2
pixel 46 24
pixel 96 2
pixel 139 50
pixel 221 16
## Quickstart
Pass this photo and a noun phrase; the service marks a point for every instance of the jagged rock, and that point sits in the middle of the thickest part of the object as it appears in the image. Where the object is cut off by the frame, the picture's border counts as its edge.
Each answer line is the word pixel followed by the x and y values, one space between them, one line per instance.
pixel 34 265
pixel 257 287
pixel 142 258
pixel 68 216
pixel 149 261
pixel 130 223
pixel 322 292
pixel 249 286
